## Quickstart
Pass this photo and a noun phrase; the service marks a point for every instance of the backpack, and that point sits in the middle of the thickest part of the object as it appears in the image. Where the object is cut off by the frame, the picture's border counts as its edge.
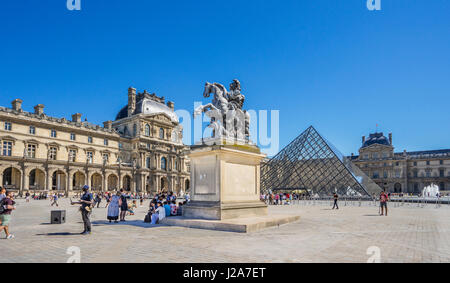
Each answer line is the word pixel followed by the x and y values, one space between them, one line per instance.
pixel 148 218
pixel 2 208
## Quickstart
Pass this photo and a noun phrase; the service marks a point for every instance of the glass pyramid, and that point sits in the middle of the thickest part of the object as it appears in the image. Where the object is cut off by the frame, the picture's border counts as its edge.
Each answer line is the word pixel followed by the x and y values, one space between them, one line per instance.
pixel 312 164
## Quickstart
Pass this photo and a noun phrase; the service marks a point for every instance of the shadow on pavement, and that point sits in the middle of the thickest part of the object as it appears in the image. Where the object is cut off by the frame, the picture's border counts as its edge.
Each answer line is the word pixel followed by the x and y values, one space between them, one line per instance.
pixel 58 234
pixel 137 223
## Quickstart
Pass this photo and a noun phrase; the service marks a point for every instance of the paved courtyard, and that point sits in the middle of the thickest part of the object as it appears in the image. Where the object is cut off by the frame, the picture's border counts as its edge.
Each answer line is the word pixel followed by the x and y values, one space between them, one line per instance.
pixel 408 234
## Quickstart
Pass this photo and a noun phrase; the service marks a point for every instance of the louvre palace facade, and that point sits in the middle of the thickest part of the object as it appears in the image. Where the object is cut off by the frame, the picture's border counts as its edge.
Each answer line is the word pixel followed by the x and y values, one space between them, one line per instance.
pixel 402 172
pixel 140 151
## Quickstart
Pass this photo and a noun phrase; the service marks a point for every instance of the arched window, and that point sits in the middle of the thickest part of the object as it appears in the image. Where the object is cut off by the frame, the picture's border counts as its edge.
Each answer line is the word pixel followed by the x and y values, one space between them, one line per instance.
pixel 147 130
pixel 163 163
pixel 161 133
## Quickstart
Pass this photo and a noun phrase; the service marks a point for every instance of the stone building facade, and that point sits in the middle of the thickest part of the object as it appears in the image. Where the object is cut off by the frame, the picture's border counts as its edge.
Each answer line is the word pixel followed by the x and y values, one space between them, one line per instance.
pixel 402 172
pixel 141 151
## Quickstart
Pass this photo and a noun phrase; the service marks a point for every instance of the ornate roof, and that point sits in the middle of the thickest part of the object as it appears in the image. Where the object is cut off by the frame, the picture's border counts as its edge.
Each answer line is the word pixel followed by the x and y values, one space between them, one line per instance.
pixel 149 104
pixel 377 138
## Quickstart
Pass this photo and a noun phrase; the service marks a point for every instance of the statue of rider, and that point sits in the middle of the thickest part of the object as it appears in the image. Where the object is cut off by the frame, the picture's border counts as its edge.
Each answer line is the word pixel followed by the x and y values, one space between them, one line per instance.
pixel 235 98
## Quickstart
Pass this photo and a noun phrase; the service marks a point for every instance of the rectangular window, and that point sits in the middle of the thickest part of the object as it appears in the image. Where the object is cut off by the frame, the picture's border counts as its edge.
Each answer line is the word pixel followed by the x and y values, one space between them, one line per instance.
pixel 7 148
pixel 415 163
pixel 53 134
pixel 90 156
pixel 397 173
pixel 89 139
pixel 72 155
pixel 385 174
pixel 8 126
pixel 32 130
pixel 441 162
pixel 52 154
pixel 31 151
pixel 428 162
pixel 148 162
pixel 442 173
pixel 376 175
pixel 106 142
pixel 428 173
pixel 73 137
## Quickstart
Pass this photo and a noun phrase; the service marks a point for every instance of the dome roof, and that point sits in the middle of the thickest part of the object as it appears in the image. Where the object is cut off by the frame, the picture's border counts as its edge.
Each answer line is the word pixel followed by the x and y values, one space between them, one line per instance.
pixel 147 105
pixel 377 138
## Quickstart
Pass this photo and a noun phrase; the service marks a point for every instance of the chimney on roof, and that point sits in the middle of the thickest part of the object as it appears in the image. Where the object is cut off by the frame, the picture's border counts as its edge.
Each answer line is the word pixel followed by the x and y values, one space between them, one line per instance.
pixel 131 101
pixel 390 138
pixel 363 139
pixel 171 105
pixel 39 109
pixel 76 118
pixel 107 125
pixel 17 104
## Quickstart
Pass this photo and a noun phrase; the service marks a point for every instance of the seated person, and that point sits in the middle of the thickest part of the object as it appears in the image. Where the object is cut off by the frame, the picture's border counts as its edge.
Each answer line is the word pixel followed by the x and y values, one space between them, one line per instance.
pixel 131 207
pixel 173 208
pixel 180 209
pixel 167 208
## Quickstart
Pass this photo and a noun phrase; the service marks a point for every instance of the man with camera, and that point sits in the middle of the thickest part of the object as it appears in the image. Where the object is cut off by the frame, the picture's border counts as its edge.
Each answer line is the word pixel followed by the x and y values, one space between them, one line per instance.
pixel 86 202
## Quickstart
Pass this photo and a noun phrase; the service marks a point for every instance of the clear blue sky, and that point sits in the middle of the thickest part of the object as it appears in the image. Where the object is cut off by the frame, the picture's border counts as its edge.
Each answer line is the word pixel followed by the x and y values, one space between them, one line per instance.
pixel 328 63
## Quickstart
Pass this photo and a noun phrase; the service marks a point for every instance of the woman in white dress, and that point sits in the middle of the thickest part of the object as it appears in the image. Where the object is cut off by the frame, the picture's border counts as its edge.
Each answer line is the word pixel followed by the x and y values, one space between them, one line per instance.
pixel 113 208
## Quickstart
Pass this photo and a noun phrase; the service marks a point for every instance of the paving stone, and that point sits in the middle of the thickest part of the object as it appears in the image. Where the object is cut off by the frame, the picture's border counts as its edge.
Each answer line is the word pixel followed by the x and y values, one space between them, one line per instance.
pixel 408 234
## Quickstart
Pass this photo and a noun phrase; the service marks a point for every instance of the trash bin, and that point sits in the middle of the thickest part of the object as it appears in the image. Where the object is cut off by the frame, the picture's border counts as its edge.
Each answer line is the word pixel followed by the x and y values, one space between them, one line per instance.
pixel 58 217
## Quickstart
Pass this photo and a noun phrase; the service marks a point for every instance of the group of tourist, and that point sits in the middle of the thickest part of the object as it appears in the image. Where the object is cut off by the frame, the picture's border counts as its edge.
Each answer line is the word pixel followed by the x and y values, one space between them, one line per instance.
pixel 162 205
pixel 280 198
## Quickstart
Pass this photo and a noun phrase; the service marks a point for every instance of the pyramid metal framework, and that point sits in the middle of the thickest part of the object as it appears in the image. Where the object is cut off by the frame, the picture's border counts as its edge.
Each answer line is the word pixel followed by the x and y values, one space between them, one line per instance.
pixel 312 164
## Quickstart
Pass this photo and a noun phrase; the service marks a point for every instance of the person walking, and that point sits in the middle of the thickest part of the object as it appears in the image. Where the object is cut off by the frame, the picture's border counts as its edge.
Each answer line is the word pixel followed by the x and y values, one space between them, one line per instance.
pixel 85 209
pixel 335 197
pixel 113 208
pixel 141 199
pixel 7 205
pixel 123 205
pixel 55 200
pixel 383 203
pixel 108 198
pixel 98 200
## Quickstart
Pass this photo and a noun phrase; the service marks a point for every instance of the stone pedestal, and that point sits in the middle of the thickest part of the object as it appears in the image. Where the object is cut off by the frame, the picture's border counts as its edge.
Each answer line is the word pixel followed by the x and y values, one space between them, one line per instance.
pixel 225 182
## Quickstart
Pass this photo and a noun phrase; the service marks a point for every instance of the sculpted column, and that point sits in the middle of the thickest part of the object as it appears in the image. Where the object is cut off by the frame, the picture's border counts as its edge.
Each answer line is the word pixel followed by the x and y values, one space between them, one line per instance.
pixel 88 179
pixel 48 185
pixel 157 181
pixel 104 182
pixel 69 186
pixel 134 183
pixel 120 181
pixel 26 182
